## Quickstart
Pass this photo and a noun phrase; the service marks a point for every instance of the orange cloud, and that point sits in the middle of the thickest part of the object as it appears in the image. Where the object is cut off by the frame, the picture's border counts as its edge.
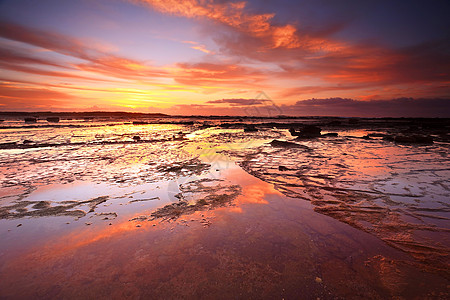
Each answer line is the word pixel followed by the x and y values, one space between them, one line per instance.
pixel 232 14
pixel 97 61
pixel 217 74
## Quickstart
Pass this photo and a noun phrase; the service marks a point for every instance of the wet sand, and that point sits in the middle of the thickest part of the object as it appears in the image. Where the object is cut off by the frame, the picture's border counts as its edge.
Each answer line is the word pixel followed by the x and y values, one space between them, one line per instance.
pixel 207 212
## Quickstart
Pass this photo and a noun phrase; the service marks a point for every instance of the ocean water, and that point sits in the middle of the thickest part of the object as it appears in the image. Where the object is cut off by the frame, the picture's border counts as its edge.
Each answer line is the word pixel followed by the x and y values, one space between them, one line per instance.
pixel 209 208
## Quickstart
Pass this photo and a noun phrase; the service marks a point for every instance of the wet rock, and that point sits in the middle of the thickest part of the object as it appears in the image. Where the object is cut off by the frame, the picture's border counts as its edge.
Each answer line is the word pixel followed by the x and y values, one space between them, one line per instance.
pixel 41 205
pixel 389 138
pixel 308 131
pixel 53 119
pixel 250 128
pixel 185 168
pixel 330 134
pixel 30 120
pixel 334 123
pixel 42 209
pixel 8 145
pixel 413 139
pixel 207 197
pixel 142 200
pixel 284 144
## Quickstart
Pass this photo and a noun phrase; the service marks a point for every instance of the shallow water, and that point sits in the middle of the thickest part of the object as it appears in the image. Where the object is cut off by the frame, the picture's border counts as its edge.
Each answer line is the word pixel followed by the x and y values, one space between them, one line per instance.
pixel 191 211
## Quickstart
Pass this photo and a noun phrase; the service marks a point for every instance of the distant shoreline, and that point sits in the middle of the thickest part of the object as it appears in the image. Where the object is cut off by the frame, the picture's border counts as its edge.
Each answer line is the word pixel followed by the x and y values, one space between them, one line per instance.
pixel 122 114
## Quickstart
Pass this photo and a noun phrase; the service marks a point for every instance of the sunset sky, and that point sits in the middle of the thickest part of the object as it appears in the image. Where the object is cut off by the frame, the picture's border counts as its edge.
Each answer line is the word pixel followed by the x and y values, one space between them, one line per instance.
pixel 222 57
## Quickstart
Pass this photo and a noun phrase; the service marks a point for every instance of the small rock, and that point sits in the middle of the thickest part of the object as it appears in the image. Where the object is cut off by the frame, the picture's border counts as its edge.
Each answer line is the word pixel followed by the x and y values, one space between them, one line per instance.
pixel 318 280
pixel 250 128
pixel 138 225
pixel 136 138
pixel 283 168
pixel 333 134
pixel 278 143
pixel 87 223
pixel 18 225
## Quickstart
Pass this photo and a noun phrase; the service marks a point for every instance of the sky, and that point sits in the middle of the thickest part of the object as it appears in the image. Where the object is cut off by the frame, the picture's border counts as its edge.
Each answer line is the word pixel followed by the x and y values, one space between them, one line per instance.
pixel 267 57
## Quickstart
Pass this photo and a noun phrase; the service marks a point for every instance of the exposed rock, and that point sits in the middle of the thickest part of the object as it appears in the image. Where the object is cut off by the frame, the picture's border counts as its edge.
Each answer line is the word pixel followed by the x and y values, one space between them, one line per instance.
pixel 53 119
pixel 330 134
pixel 388 137
pixel 30 120
pixel 250 128
pixel 204 196
pixel 334 123
pixel 284 144
pixel 185 168
pixel 308 131
pixel 413 139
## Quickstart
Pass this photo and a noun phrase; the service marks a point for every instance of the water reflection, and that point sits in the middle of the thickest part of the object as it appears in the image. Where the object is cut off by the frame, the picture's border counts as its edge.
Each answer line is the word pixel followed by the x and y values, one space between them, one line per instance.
pixel 263 241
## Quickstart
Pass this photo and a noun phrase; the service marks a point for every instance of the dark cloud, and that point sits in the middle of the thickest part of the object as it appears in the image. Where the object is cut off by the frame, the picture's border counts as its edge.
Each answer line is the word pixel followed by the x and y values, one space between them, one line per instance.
pixel 339 107
pixel 402 107
pixel 240 102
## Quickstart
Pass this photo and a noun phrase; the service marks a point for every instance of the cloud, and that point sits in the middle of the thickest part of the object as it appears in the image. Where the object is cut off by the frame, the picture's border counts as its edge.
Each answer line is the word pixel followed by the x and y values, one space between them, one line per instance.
pixel 340 107
pixel 401 107
pixel 199 47
pixel 240 102
pixel 302 53
pixel 96 60
pixel 232 14
pixel 23 98
pixel 218 74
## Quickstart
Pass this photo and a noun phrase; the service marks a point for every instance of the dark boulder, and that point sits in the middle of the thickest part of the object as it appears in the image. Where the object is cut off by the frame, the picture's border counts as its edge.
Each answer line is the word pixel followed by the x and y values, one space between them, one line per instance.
pixel 308 131
pixel 250 128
